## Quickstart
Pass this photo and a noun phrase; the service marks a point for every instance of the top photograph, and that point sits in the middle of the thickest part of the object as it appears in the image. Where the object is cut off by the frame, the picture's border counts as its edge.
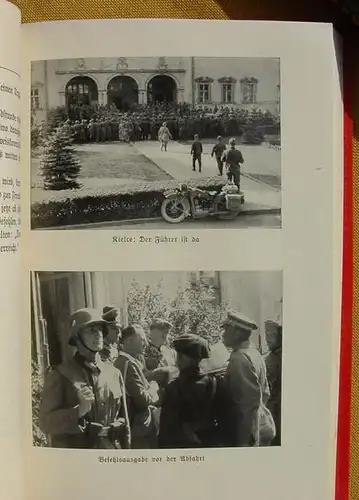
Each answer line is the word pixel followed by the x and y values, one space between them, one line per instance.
pixel 156 143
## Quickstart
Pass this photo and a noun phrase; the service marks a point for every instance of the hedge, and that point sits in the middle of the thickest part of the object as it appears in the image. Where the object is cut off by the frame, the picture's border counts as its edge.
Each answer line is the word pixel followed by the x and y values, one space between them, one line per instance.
pixel 107 204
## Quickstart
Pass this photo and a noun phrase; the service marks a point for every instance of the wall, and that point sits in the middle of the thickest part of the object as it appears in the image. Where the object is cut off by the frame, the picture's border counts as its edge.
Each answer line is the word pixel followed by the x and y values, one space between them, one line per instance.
pixel 51 77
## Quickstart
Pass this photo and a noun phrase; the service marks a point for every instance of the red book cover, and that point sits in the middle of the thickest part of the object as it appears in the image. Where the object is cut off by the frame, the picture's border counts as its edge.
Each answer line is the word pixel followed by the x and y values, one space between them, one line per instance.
pixel 345 395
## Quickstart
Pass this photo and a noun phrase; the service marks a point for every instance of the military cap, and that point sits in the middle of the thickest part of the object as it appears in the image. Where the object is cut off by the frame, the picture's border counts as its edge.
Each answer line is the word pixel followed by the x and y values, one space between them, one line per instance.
pixel 193 346
pixel 110 313
pixel 232 141
pixel 161 324
pixel 83 318
pixel 274 325
pixel 235 318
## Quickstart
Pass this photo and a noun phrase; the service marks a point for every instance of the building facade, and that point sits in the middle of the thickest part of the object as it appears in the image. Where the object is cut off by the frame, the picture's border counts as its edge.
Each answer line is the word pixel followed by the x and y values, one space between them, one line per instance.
pixel 199 81
pixel 55 295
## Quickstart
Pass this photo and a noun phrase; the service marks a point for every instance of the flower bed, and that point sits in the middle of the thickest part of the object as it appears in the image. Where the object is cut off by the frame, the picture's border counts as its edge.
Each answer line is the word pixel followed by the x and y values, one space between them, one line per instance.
pixel 65 208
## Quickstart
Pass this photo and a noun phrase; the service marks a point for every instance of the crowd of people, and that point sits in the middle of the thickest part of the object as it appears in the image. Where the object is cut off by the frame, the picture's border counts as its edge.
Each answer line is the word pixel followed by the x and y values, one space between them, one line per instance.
pixel 126 389
pixel 101 124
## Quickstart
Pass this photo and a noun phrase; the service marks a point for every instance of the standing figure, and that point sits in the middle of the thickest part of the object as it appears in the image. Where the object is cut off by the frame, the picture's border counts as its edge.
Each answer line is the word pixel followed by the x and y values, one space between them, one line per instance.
pixel 188 419
pixel 233 159
pixel 91 130
pixel 274 373
pixel 196 152
pixel 164 135
pixel 83 401
pixel 217 151
pixel 142 395
pixel 97 131
pixel 110 349
pixel 160 359
pixel 251 422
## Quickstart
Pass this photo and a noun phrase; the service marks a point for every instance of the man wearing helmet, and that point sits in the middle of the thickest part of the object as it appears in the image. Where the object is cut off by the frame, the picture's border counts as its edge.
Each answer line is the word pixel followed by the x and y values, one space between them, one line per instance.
pixel 83 403
pixel 233 159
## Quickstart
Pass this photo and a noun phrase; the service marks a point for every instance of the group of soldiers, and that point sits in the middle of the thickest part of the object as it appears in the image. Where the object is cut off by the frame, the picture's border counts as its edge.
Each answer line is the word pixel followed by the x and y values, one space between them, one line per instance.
pixel 124 389
pixel 143 123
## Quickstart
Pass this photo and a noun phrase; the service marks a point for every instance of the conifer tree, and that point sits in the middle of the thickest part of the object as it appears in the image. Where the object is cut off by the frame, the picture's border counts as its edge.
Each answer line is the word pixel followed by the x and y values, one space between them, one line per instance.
pixel 60 166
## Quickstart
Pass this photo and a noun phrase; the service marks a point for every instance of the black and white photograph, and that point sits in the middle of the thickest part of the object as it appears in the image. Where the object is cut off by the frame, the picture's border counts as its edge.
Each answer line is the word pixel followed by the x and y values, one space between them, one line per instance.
pixel 156 143
pixel 156 360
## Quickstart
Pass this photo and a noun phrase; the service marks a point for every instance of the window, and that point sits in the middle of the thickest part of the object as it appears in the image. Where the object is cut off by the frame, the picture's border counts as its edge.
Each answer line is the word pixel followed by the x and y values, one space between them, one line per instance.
pixel 203 93
pixel 227 93
pixel 249 90
pixel 35 99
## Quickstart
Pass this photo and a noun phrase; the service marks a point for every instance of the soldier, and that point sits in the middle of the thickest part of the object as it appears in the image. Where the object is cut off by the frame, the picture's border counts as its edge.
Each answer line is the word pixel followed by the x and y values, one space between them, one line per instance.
pixel 108 130
pixel 111 342
pixel 83 401
pixel 196 152
pixel 160 360
pixel 217 151
pixel 84 131
pixel 188 418
pixel 97 131
pixel 274 373
pixel 233 159
pixel 251 423
pixel 77 131
pixel 142 395
pixel 91 130
pixel 164 135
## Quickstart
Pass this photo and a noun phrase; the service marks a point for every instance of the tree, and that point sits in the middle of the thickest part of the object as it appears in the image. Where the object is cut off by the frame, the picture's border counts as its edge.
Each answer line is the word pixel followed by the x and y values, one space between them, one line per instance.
pixel 193 310
pixel 60 166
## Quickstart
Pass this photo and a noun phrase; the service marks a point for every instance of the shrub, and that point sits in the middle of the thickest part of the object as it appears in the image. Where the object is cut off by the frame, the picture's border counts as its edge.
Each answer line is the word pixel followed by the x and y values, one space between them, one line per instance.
pixel 60 166
pixel 39 438
pixel 193 310
pixel 112 204
pixel 253 136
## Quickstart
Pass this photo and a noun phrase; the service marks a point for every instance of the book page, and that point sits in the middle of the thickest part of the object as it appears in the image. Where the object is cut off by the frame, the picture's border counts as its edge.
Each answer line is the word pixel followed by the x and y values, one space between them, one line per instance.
pixel 183 268
pixel 10 436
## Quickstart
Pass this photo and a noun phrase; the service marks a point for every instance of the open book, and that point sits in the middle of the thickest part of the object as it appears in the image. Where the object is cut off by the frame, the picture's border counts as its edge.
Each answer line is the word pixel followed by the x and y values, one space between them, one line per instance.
pixel 171 317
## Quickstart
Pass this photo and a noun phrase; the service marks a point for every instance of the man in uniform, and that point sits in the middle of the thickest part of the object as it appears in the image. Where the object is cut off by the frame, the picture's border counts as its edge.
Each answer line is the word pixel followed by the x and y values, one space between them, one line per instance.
pixel 233 159
pixel 217 151
pixel 97 128
pixel 251 423
pixel 111 341
pixel 274 373
pixel 83 401
pixel 142 395
pixel 160 360
pixel 188 417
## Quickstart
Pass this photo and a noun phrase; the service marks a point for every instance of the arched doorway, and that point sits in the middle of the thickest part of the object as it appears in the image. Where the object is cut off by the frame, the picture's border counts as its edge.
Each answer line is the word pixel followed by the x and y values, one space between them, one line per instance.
pixel 122 91
pixel 161 88
pixel 81 90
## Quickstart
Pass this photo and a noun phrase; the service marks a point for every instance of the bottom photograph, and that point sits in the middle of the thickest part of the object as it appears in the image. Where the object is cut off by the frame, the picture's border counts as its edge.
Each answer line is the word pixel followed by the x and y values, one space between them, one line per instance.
pixel 156 360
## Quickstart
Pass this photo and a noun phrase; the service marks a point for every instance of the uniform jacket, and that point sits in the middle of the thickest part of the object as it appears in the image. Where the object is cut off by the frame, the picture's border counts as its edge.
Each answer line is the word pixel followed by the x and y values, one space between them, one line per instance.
pixel 273 362
pixel 218 150
pixel 187 419
pixel 233 158
pixel 164 134
pixel 140 398
pixel 197 148
pixel 248 387
pixel 59 406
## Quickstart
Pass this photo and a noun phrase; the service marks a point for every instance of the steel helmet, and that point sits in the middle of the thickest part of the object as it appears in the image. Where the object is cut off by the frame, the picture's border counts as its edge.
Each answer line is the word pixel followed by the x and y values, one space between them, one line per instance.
pixel 82 318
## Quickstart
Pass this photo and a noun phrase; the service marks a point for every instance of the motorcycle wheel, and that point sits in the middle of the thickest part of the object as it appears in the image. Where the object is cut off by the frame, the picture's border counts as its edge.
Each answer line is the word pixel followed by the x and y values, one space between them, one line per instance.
pixel 173 210
pixel 233 214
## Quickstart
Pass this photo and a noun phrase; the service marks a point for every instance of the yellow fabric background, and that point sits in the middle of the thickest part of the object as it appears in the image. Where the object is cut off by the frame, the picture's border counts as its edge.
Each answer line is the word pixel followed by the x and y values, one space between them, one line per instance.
pixel 318 10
